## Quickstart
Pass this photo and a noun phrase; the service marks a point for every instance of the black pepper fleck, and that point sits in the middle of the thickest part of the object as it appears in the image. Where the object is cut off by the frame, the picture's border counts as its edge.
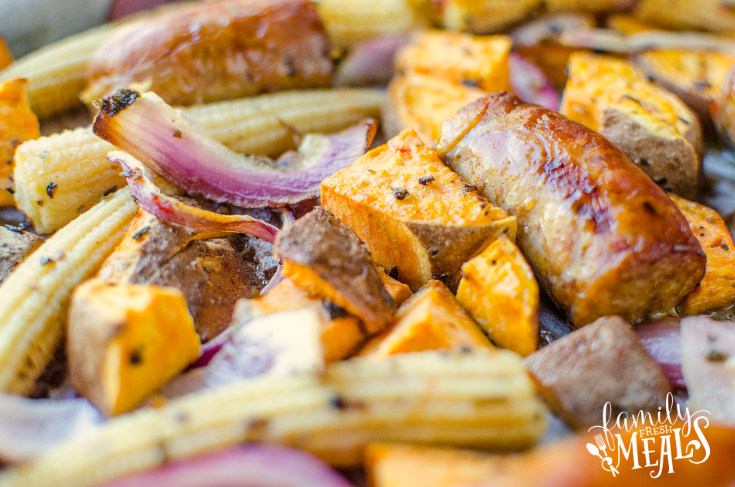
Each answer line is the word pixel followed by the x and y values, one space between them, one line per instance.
pixel 400 193
pixel 469 187
pixel 338 403
pixel 51 189
pixel 724 247
pixel 715 356
pixel 139 234
pixel 426 180
pixel 136 357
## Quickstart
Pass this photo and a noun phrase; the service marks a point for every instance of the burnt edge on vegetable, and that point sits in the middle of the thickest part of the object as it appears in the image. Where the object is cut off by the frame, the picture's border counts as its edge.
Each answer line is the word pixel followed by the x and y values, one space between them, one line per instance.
pixel 114 104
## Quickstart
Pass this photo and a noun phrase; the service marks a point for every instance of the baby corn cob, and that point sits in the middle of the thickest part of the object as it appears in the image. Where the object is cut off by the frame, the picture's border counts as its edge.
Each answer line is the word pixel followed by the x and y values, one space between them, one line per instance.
pixel 34 297
pixel 58 177
pixel 61 176
pixel 58 72
pixel 481 400
pixel 349 22
pixel 262 125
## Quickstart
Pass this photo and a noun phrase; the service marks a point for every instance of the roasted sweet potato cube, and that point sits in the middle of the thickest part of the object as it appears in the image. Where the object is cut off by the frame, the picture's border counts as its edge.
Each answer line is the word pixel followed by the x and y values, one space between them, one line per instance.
pixel 723 109
pixel 326 258
pixel 598 363
pixel 539 41
pixel 6 57
pixel 397 290
pixel 650 125
pixel 482 16
pixel 695 76
pixel 17 124
pixel 478 61
pixel 423 103
pixel 440 73
pixel 501 294
pixel 341 333
pixel 564 462
pixel 127 341
pixel 712 15
pixel 413 212
pixel 394 465
pixel 431 319
pixel 628 24
pixel 6 198
pixel 717 288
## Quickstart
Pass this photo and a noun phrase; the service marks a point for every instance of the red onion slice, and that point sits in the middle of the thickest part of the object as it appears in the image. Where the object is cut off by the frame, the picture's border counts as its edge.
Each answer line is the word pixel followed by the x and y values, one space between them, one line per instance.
pixel 531 84
pixel 370 63
pixel 170 209
pixel 28 427
pixel 613 41
pixel 662 340
pixel 245 466
pixel 549 28
pixel 167 143
pixel 277 344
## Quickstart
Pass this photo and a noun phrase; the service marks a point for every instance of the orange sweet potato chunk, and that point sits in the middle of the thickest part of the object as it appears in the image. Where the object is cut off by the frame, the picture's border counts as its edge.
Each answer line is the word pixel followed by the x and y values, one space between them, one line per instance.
pixel 566 462
pixel 413 212
pixel 500 292
pixel 397 290
pixel 17 124
pixel 6 57
pixel 480 61
pixel 423 103
pixel 439 73
pixel 717 288
pixel 126 341
pixel 430 320
pixel 341 333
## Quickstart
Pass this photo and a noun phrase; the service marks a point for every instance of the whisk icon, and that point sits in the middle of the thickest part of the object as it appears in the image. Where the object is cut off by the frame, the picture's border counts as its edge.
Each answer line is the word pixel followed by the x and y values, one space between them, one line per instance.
pixel 606 460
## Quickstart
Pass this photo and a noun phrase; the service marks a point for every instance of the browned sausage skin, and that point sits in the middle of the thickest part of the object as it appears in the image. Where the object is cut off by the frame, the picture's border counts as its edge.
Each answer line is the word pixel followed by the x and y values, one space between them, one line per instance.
pixel 602 237
pixel 214 51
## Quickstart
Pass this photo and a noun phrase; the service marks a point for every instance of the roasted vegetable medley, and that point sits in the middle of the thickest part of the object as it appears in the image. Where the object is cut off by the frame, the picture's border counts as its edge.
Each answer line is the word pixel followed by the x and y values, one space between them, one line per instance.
pixel 397 243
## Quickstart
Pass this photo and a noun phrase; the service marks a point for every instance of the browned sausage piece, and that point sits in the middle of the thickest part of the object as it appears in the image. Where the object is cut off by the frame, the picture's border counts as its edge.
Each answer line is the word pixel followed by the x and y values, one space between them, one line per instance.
pixel 602 238
pixel 216 50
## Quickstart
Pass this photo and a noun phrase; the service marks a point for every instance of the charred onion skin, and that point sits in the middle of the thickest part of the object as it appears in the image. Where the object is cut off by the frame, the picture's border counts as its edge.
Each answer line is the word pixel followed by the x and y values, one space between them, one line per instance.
pixel 215 51
pixel 602 237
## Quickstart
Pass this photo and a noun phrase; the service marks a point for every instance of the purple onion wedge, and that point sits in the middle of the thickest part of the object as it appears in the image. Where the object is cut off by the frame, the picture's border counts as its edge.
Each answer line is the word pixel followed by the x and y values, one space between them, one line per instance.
pixel 245 466
pixel 28 427
pixel 530 83
pixel 170 209
pixel 662 340
pixel 370 62
pixel 163 139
